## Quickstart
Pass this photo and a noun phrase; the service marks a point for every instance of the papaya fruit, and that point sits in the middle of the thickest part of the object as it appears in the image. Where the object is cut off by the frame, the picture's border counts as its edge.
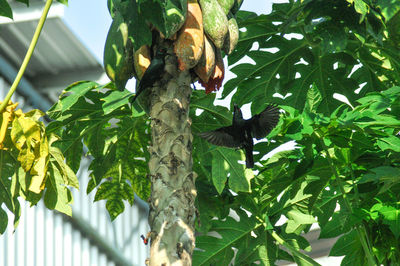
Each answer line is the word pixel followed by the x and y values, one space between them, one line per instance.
pixel 166 16
pixel 215 21
pixel 188 47
pixel 110 6
pixel 215 81
pixel 232 37
pixel 206 65
pixel 142 60
pixel 236 6
pixel 118 53
pixel 226 5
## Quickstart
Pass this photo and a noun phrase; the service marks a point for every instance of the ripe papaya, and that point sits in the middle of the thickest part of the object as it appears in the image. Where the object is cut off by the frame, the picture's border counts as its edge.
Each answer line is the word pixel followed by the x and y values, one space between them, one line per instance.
pixel 189 45
pixel 214 21
pixel 226 5
pixel 142 60
pixel 118 53
pixel 215 81
pixel 232 37
pixel 206 65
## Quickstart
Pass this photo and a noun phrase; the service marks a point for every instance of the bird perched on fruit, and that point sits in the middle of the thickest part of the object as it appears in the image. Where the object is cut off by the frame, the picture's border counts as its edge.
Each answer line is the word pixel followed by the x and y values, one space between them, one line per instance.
pixel 153 72
pixel 241 133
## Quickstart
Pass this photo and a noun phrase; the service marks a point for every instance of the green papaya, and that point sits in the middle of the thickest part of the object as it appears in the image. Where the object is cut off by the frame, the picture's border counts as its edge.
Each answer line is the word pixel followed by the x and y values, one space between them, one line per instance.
pixel 236 6
pixel 118 53
pixel 232 37
pixel 226 5
pixel 110 6
pixel 215 21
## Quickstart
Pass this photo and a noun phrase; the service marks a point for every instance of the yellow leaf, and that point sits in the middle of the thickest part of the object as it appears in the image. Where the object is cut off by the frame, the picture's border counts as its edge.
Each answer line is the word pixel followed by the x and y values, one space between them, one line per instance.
pixel 6 118
pixel 36 184
pixel 22 180
pixel 26 136
pixel 19 113
pixel 39 169
pixel 26 157
pixel 31 128
pixel 23 130
pixel 34 114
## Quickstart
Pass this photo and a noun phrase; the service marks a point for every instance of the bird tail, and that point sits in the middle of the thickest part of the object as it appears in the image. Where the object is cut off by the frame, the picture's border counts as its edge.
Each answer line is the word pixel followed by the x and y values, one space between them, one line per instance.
pixel 249 157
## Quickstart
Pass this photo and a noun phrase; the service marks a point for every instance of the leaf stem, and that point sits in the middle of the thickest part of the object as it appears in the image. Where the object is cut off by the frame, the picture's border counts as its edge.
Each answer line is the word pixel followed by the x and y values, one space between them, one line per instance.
pixel 362 227
pixel 293 250
pixel 28 55
pixel 354 180
pixel 361 232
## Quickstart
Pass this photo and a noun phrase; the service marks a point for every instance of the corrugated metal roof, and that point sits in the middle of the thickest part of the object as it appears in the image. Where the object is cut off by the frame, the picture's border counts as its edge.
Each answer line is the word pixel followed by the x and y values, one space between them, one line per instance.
pixel 58 50
pixel 59 59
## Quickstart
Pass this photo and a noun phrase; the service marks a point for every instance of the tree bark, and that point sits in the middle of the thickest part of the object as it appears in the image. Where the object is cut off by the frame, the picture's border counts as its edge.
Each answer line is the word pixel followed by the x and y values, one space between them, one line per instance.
pixel 173 192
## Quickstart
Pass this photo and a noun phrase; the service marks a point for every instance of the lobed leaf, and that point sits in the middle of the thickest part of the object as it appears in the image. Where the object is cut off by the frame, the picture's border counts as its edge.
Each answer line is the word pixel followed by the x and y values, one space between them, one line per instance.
pixel 218 249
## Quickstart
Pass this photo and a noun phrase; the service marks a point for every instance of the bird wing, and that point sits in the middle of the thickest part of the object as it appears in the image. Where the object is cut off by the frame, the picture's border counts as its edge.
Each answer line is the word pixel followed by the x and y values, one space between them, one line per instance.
pixel 221 137
pixel 264 122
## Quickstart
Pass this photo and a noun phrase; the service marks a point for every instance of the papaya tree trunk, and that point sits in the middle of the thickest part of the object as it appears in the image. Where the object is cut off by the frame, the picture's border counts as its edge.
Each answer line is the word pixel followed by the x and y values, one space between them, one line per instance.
pixel 173 192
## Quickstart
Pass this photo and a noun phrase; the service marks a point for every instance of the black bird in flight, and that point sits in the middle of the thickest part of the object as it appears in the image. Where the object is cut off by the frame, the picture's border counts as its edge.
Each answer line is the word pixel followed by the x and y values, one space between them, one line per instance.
pixel 152 73
pixel 241 133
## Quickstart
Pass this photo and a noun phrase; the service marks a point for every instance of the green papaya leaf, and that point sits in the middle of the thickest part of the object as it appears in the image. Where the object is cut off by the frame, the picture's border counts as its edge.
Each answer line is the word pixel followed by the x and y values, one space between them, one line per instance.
pixel 114 100
pixel 70 96
pixel 5 9
pixel 350 246
pixel 114 192
pixel 216 250
pixel 57 195
pixel 225 162
pixel 314 99
pixel 339 224
pixel 390 216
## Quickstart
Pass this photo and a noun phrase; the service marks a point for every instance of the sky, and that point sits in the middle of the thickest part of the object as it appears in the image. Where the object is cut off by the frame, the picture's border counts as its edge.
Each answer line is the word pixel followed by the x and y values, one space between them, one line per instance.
pixel 89 20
